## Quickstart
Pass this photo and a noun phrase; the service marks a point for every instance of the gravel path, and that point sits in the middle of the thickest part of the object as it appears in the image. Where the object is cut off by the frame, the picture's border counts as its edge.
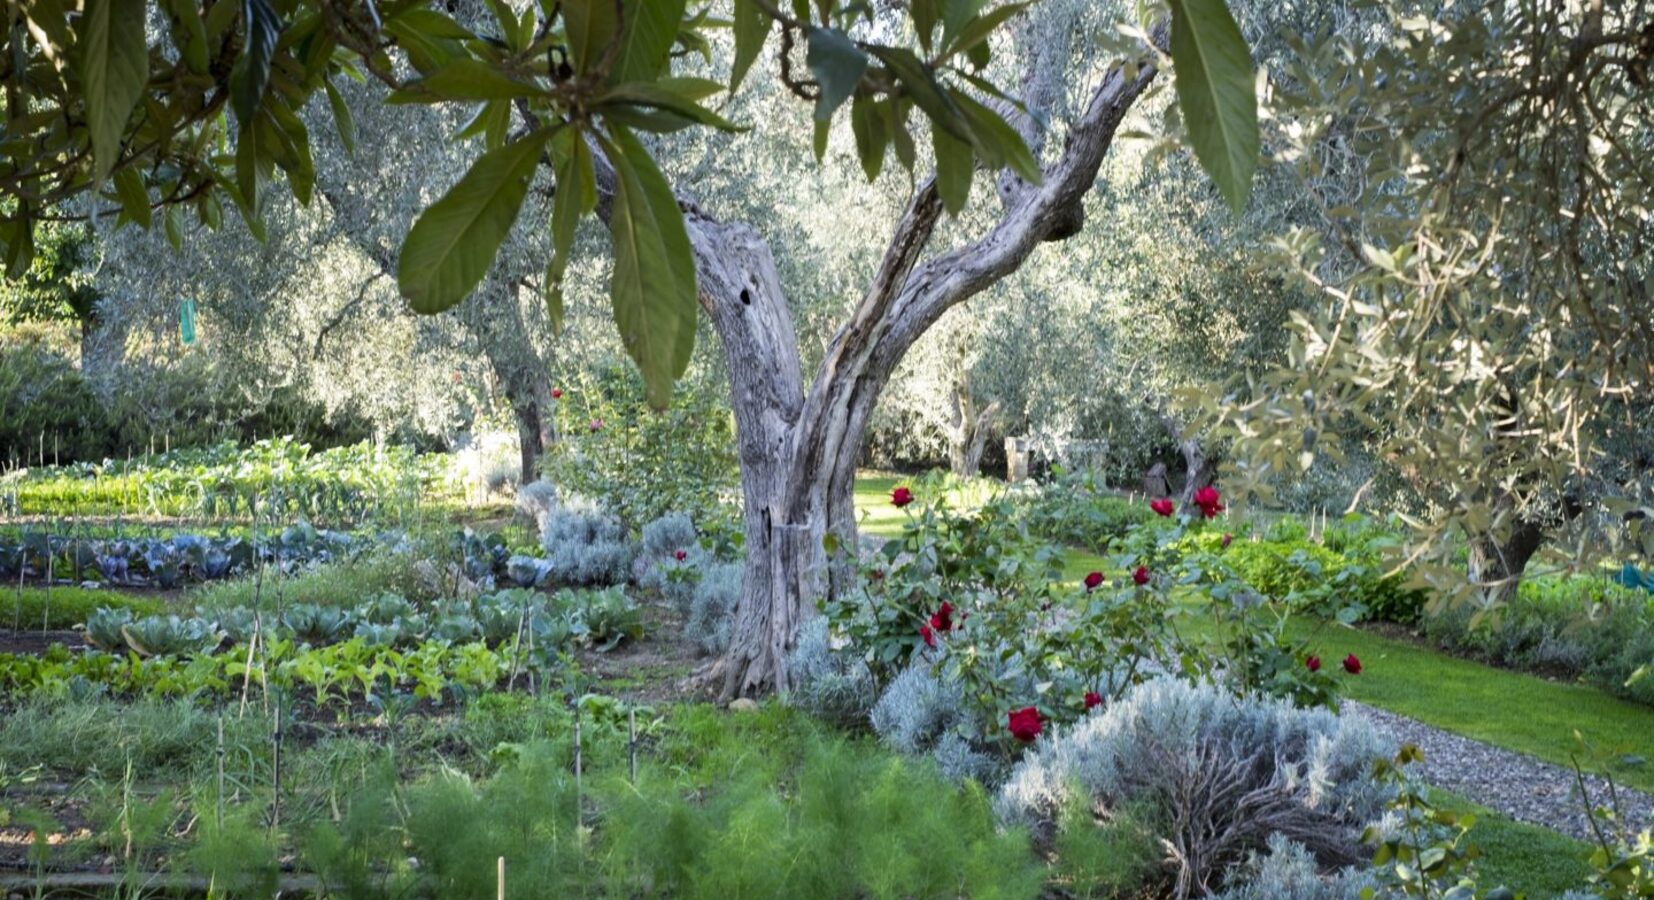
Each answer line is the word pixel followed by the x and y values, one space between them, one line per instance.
pixel 1512 783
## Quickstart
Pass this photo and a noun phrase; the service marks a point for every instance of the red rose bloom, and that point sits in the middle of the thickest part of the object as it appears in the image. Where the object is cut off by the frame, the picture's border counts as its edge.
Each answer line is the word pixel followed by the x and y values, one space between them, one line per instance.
pixel 1141 576
pixel 1025 724
pixel 556 393
pixel 1207 499
pixel 680 555
pixel 1093 699
pixel 1227 540
pixel 1352 665
pixel 1313 663
pixel 942 619
pixel 929 636
pixel 597 425
pixel 901 497
pixel 1162 506
pixel 1093 581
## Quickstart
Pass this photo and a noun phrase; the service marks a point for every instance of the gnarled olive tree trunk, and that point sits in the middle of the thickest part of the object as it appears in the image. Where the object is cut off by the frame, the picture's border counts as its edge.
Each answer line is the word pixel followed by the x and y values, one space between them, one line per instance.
pixel 798 443
pixel 968 429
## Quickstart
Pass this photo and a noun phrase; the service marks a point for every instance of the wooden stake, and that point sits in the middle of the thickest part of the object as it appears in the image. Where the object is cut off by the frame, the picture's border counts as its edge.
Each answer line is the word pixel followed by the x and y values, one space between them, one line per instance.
pixel 500 880
pixel 577 758
pixel 221 769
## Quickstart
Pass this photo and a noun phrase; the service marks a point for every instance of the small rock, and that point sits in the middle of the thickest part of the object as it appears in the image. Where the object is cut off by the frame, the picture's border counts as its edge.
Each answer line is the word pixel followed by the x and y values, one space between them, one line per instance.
pixel 743 705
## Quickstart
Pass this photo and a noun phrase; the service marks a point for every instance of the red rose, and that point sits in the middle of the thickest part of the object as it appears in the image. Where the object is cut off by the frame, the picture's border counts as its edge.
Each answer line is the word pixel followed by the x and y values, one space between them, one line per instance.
pixel 1227 540
pixel 1162 506
pixel 1093 581
pixel 556 393
pixel 928 635
pixel 1093 699
pixel 597 425
pixel 1352 665
pixel 1141 576
pixel 1025 724
pixel 680 555
pixel 1207 499
pixel 1313 663
pixel 901 497
pixel 942 619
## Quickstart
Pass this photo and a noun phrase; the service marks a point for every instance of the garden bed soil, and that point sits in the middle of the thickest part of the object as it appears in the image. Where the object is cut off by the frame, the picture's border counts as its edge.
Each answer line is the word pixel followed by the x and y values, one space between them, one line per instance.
pixel 37 642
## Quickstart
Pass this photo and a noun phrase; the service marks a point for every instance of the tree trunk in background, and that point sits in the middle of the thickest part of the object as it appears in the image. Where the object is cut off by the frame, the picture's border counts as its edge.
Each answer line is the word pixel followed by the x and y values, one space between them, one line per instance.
pixel 517 366
pixel 1201 466
pixel 798 448
pixel 968 430
pixel 1497 561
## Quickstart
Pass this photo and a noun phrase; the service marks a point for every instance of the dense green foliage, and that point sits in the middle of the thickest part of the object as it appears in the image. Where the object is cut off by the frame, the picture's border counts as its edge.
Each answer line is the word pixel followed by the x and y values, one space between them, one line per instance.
pixel 639 463
pixel 63 606
pixel 49 406
pixel 276 479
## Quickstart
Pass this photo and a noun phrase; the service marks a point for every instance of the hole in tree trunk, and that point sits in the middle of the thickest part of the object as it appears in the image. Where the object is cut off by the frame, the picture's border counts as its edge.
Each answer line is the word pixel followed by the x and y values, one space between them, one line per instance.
pixel 746 298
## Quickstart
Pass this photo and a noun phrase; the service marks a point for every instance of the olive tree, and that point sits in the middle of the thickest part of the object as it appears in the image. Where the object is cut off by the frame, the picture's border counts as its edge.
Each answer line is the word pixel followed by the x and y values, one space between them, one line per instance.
pixel 572 86
pixel 1482 252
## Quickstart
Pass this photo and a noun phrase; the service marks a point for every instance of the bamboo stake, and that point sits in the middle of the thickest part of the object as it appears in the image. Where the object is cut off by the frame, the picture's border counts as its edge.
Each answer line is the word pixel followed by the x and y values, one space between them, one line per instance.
pixel 500 880
pixel 631 742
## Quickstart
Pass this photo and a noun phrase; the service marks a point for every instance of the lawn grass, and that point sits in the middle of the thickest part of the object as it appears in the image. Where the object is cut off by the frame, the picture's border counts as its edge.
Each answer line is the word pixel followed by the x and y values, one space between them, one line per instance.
pixel 1513 710
pixel 1536 862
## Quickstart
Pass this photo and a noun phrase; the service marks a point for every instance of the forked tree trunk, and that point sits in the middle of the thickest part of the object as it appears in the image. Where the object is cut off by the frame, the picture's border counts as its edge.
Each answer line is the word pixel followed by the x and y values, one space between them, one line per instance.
pixel 1200 464
pixel 968 430
pixel 798 448
pixel 1497 561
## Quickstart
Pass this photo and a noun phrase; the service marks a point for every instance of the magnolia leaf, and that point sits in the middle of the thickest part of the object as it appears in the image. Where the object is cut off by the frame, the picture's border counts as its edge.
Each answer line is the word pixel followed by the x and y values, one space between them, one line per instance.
pixel 576 196
pixel 976 32
pixel 752 28
pixel 451 246
pixel 955 15
pixel 867 122
pixel 114 69
pixel 920 82
pixel 462 79
pixel 341 117
pixel 1215 90
pixel 838 65
pixel 653 289
pixel 252 70
pixel 590 25
pixel 955 167
pixel 996 141
pixel 189 33
pixel 662 96
pixel 129 187
pixel 651 30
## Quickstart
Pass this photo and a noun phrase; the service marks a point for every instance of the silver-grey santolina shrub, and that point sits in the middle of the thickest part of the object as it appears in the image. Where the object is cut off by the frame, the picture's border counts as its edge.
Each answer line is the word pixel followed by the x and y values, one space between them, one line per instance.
pixel 1287 871
pixel 712 606
pixel 828 684
pixel 585 547
pixel 1225 773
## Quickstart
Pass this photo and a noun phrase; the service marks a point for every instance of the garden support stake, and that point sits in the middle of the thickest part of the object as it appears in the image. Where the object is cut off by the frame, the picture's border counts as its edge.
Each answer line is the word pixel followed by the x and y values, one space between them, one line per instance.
pixel 631 743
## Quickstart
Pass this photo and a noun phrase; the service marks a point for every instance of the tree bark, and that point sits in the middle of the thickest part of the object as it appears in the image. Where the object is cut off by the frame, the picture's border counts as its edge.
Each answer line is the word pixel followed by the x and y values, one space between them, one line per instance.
pixel 968 430
pixel 1201 465
pixel 798 449
pixel 1498 560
